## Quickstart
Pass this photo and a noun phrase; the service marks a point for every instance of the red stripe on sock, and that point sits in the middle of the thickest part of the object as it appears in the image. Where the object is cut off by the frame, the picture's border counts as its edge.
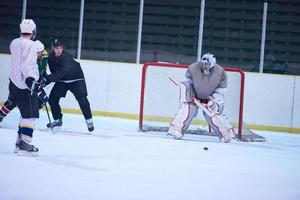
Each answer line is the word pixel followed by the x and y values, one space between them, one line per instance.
pixel 5 110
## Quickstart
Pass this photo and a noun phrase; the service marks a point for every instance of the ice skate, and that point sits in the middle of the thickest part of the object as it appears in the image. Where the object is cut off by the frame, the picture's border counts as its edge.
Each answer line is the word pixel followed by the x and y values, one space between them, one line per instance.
pixel 26 149
pixel 56 123
pixel 90 124
pixel 176 134
pixel 228 136
pixel 16 150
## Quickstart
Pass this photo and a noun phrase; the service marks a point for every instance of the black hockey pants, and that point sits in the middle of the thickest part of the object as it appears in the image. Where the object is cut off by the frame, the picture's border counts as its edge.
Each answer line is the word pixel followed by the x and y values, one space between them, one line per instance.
pixel 78 89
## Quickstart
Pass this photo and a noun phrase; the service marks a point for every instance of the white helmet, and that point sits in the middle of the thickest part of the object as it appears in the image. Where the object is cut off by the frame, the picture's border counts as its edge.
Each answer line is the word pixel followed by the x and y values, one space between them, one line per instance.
pixel 208 60
pixel 28 26
pixel 40 46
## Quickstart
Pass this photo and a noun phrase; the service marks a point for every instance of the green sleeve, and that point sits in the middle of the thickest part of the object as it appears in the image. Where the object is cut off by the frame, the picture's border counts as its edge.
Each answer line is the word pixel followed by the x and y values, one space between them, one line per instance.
pixel 43 64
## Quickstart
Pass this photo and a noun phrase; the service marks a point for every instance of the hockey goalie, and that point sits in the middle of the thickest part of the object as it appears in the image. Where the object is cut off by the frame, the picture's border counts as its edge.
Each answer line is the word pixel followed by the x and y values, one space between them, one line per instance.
pixel 204 88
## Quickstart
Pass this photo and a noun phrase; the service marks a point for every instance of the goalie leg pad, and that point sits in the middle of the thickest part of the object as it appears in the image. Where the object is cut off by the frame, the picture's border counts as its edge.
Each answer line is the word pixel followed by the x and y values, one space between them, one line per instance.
pixel 221 126
pixel 182 120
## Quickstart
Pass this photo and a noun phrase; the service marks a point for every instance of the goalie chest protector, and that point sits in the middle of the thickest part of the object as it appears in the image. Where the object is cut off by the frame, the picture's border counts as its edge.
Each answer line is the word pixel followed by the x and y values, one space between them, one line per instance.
pixel 205 85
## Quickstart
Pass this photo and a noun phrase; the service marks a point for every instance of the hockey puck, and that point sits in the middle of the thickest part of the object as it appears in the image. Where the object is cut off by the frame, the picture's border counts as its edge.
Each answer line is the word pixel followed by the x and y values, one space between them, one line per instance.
pixel 205 148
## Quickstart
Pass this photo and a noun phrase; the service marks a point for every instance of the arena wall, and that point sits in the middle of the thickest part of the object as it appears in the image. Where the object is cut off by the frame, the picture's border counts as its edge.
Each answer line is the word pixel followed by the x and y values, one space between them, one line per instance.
pixel 272 102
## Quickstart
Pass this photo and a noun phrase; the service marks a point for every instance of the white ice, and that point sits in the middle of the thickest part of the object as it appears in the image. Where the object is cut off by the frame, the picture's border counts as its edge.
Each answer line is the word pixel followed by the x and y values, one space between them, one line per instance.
pixel 117 162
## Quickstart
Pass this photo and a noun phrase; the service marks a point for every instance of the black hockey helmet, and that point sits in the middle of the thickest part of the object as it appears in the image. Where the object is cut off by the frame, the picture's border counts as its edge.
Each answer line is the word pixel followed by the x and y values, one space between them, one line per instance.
pixel 57 42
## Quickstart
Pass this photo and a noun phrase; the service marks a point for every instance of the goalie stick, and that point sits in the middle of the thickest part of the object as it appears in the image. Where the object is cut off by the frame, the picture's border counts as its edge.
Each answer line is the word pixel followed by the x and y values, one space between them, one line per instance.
pixel 223 125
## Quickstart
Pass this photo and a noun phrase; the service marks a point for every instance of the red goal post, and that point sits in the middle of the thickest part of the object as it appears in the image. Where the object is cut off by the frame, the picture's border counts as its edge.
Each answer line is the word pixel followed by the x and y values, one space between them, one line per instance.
pixel 159 97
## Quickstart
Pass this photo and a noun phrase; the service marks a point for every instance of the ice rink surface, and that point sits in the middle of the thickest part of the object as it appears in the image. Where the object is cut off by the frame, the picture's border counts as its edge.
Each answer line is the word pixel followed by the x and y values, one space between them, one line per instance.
pixel 119 163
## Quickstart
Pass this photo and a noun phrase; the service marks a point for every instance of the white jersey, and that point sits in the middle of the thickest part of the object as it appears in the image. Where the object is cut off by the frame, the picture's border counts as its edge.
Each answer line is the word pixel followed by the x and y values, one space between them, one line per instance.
pixel 23 61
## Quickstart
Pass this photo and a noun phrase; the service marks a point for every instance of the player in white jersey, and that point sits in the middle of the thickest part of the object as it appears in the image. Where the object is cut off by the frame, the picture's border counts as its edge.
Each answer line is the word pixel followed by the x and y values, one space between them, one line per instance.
pixel 207 82
pixel 23 85
pixel 42 62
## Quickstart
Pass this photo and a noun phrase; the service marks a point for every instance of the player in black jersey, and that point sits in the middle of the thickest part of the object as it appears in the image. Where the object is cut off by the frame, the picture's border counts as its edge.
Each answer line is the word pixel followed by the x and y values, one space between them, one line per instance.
pixel 68 76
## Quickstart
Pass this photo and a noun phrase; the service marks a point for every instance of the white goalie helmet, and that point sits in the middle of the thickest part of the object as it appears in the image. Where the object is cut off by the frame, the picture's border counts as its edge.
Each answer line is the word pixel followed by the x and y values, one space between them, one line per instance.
pixel 39 45
pixel 208 60
pixel 28 26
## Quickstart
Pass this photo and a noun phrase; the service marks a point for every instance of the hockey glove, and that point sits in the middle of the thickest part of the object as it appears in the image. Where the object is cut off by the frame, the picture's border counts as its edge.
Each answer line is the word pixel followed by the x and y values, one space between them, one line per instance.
pixel 43 98
pixel 33 85
pixel 43 82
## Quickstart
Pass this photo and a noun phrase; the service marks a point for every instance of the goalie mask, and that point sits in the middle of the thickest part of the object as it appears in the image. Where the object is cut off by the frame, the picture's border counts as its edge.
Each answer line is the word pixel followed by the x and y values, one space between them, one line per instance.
pixel 28 26
pixel 207 62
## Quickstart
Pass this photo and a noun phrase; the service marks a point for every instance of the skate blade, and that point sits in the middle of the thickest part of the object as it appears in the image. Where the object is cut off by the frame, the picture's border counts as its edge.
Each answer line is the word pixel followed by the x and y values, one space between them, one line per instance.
pixel 26 153
pixel 55 129
pixel 16 150
pixel 169 134
pixel 176 137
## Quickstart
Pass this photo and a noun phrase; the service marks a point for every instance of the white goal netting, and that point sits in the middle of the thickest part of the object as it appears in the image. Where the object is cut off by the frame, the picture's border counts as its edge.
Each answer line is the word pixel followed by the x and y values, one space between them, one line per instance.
pixel 160 100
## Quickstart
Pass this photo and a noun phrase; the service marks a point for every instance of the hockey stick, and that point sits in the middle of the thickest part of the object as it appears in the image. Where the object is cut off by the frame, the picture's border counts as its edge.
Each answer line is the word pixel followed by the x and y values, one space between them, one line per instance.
pixel 48 115
pixel 43 98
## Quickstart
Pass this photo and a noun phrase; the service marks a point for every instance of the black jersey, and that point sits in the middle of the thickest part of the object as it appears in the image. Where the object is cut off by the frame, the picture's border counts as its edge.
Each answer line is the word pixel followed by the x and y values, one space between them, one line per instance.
pixel 64 68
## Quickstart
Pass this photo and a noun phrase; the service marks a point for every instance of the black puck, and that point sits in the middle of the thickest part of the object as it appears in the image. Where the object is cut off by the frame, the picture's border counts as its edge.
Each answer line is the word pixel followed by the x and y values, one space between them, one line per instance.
pixel 205 148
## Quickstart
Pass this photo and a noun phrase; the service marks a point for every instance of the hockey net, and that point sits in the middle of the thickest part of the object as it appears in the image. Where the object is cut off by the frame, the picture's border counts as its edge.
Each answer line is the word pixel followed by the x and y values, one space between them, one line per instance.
pixel 159 101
